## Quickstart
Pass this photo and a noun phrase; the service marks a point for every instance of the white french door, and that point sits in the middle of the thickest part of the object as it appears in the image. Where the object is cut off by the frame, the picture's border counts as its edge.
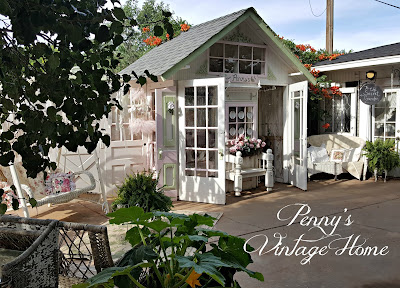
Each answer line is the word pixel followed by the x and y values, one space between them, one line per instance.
pixel 201 105
pixel 296 119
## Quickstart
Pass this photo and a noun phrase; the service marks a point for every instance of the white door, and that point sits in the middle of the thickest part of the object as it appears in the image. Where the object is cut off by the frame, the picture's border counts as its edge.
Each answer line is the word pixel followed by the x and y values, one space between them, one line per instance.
pixel 297 121
pixel 125 155
pixel 201 105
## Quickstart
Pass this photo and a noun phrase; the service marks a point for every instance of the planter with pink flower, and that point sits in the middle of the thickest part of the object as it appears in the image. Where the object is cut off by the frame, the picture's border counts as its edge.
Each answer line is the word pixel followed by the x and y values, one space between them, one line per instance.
pixel 250 149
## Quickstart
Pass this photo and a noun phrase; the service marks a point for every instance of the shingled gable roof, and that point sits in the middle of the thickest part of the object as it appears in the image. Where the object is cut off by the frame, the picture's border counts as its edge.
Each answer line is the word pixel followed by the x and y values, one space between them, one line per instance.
pixel 377 52
pixel 169 57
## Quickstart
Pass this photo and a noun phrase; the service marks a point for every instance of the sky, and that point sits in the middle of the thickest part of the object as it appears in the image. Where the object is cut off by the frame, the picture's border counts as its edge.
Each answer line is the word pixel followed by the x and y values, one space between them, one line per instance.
pixel 358 24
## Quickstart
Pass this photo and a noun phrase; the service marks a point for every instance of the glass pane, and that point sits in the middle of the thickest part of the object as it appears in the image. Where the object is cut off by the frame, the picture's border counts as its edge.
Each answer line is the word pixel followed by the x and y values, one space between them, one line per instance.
pixel 201 173
pixel 190 160
pixel 297 131
pixel 212 95
pixel 245 52
pixel 114 133
pixel 213 174
pixel 127 131
pixel 390 130
pixel 212 117
pixel 391 114
pixel 201 138
pixel 189 96
pixel 189 117
pixel 232 131
pixel 231 51
pixel 249 129
pixel 201 159
pixel 258 54
pixel 231 66
pixel 379 114
pixel 217 50
pixel 189 138
pixel 249 113
pixel 212 138
pixel 258 68
pixel 189 173
pixel 379 129
pixel 216 65
pixel 245 67
pixel 201 96
pixel 213 160
pixel 232 114
pixel 201 117
pixel 392 99
pixel 241 129
pixel 241 114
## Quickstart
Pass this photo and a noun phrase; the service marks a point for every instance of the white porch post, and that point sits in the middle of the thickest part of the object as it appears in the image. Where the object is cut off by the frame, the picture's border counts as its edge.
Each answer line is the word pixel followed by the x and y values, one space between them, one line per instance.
pixel 365 126
pixel 17 185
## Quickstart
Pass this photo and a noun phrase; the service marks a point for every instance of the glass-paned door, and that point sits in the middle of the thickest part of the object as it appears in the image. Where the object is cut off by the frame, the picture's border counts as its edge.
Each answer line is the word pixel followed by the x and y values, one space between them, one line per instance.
pixel 296 115
pixel 385 116
pixel 202 140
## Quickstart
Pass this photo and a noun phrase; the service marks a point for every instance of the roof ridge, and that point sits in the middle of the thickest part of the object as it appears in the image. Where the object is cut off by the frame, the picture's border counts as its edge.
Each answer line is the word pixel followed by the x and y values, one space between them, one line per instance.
pixel 373 48
pixel 242 11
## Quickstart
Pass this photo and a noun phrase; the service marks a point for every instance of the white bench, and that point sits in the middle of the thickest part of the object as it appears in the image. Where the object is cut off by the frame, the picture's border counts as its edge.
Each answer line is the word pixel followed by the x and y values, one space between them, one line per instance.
pixel 235 172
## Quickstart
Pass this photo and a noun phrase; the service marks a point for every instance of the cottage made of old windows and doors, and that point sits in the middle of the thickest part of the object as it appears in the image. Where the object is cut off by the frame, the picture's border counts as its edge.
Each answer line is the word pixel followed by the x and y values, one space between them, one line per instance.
pixel 220 79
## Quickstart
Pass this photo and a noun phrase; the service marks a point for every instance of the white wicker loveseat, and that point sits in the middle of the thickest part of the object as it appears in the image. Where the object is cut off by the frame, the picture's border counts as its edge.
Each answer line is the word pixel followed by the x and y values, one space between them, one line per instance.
pixel 331 142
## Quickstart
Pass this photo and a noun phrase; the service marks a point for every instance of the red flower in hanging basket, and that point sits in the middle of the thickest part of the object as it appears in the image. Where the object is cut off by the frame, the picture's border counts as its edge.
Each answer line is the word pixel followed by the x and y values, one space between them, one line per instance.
pixel 326 125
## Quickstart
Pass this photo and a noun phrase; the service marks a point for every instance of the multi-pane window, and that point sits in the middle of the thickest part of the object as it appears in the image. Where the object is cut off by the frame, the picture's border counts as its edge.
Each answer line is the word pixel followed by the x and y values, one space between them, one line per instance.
pixel 384 114
pixel 201 128
pixel 232 58
pixel 240 121
pixel 339 113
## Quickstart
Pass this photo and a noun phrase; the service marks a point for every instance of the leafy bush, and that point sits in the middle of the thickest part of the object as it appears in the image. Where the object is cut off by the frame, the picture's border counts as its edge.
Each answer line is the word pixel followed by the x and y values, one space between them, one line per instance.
pixel 169 250
pixel 382 155
pixel 141 190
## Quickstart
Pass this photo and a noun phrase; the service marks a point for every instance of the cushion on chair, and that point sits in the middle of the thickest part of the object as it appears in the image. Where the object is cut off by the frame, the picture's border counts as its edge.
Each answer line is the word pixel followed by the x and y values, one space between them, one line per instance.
pixel 59 183
pixel 338 155
pixel 317 154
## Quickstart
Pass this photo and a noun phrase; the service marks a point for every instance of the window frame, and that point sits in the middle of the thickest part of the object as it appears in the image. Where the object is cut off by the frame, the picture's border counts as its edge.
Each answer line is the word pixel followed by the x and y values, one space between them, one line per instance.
pixel 263 73
pixel 236 104
pixel 397 118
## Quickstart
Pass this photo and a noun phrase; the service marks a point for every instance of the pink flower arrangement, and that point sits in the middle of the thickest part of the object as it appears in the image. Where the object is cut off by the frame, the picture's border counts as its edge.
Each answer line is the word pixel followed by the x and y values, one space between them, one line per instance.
pixel 248 146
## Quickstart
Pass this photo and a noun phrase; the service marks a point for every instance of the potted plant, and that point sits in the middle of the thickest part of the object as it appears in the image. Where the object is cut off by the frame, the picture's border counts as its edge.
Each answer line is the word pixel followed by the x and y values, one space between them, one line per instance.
pixel 382 156
pixel 141 189
pixel 175 250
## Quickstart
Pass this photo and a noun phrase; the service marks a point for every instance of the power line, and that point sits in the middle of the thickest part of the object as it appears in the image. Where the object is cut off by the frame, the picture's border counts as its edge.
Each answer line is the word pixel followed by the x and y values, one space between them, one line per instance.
pixel 309 2
pixel 387 4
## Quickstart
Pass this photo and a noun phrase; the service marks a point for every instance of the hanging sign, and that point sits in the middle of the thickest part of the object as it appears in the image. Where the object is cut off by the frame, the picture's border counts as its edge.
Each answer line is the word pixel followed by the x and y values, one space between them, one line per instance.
pixel 371 94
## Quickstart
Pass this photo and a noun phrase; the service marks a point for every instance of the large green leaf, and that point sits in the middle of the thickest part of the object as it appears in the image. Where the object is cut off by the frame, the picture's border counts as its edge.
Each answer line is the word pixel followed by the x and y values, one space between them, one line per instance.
pixel 206 263
pixel 132 215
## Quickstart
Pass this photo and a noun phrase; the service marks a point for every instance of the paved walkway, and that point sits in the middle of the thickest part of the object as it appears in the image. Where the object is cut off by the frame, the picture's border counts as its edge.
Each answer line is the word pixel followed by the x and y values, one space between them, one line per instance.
pixel 374 208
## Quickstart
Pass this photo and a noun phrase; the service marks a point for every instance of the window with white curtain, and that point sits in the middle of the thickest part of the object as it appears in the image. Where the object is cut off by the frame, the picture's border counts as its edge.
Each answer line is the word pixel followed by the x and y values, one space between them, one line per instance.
pixel 384 114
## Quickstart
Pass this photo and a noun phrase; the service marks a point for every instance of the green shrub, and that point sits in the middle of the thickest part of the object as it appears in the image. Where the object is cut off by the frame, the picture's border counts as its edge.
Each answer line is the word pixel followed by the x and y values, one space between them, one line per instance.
pixel 170 250
pixel 141 190
pixel 382 155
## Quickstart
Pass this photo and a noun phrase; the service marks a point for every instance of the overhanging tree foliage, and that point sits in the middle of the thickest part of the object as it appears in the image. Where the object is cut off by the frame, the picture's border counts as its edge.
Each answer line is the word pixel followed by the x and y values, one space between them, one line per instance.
pixel 148 16
pixel 56 75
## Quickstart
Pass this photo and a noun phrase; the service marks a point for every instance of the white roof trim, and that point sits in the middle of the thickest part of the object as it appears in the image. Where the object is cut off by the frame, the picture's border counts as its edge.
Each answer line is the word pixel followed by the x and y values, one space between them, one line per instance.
pixel 360 63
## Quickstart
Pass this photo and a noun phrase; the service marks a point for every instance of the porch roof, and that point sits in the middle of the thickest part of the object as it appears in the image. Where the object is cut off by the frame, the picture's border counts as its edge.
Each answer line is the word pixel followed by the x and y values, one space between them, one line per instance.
pixel 166 59
pixel 386 54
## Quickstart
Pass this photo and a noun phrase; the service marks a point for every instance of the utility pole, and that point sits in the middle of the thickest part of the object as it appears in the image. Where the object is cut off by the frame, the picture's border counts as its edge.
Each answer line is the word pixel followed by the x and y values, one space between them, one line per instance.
pixel 329 26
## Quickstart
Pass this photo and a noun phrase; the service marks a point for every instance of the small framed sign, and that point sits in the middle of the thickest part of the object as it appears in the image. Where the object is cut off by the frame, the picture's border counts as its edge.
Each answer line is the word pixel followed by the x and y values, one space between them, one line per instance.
pixel 371 94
